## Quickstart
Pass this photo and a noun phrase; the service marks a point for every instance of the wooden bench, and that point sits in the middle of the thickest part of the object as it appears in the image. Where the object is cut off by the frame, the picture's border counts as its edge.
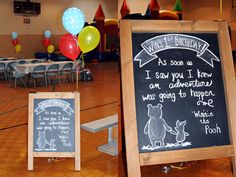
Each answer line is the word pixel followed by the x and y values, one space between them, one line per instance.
pixel 101 124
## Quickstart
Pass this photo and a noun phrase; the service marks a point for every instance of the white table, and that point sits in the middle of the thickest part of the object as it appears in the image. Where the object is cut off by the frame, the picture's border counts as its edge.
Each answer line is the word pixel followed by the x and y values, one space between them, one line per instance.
pixel 7 61
pixel 12 60
pixel 7 58
pixel 29 67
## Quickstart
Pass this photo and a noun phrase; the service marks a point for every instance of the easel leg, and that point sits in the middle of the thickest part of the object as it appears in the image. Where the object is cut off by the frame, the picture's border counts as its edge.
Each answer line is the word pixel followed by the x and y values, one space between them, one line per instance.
pixel 30 163
pixel 77 163
pixel 233 166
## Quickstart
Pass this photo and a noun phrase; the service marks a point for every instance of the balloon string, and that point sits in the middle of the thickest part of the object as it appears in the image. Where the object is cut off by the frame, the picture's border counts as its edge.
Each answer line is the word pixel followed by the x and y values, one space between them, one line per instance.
pixel 77 43
pixel 75 38
pixel 82 60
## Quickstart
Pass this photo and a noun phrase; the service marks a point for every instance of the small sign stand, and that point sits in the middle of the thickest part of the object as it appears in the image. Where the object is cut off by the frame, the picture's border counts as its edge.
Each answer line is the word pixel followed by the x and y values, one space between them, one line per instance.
pixel 54 126
pixel 179 98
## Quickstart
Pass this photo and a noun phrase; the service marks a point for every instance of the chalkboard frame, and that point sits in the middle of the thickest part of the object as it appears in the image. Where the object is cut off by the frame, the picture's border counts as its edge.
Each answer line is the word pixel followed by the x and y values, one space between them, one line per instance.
pixel 136 159
pixel 54 95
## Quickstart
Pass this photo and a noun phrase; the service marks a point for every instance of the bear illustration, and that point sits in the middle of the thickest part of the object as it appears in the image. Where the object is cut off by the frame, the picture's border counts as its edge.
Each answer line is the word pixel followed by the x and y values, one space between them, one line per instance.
pixel 156 126
pixel 42 141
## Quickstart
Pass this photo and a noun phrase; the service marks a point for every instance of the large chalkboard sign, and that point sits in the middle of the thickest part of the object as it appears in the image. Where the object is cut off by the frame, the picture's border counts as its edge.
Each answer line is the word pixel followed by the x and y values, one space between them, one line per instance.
pixel 53 125
pixel 176 91
pixel 179 91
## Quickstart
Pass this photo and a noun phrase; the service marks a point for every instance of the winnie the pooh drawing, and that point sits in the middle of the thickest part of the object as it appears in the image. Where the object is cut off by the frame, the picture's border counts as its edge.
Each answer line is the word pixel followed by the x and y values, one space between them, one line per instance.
pixel 156 126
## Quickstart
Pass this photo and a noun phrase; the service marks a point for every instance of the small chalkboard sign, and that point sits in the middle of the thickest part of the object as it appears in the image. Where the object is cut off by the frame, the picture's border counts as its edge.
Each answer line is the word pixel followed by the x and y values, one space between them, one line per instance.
pixel 177 80
pixel 54 126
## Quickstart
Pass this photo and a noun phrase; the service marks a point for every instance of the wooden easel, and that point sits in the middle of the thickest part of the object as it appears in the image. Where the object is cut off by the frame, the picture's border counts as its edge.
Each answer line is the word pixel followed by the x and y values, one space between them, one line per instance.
pixel 31 125
pixel 135 159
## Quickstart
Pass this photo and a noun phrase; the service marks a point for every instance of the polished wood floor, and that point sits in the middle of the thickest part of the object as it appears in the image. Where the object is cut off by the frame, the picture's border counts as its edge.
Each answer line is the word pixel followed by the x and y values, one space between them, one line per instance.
pixel 98 99
pixel 204 168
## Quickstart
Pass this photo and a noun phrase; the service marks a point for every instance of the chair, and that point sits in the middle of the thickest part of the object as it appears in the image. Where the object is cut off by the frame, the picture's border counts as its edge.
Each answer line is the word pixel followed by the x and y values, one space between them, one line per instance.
pixel 22 62
pixel 12 63
pixel 39 72
pixel 67 71
pixel 7 69
pixel 36 61
pixel 4 59
pixel 2 70
pixel 14 74
pixel 53 73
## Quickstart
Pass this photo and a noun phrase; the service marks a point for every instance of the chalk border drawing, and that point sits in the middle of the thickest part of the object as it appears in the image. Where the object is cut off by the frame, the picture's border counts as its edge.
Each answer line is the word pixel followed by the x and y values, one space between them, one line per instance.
pixel 54 103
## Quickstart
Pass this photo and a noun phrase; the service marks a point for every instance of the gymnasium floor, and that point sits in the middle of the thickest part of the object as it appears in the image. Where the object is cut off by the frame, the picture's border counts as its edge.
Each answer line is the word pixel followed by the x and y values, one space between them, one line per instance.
pixel 98 99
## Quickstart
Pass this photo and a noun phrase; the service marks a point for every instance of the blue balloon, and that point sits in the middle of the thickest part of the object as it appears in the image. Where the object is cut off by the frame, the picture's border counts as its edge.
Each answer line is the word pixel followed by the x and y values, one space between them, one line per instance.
pixel 73 20
pixel 47 34
pixel 14 35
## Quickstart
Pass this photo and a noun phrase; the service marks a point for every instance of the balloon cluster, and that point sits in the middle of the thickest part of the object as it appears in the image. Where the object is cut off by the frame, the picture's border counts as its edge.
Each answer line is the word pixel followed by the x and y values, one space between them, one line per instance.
pixel 46 41
pixel 79 38
pixel 15 42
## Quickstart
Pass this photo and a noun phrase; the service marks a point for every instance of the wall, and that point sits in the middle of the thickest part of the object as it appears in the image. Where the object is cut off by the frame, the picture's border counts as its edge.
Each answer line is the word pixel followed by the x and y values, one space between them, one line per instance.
pixel 30 36
pixel 193 10
pixel 210 11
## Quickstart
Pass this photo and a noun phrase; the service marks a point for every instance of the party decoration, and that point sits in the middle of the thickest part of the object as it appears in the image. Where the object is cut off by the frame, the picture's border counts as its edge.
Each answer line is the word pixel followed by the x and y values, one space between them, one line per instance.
pixel 73 20
pixel 18 48
pixel 47 34
pixel 46 42
pixel 15 42
pixel 14 35
pixel 50 48
pixel 69 47
pixel 88 38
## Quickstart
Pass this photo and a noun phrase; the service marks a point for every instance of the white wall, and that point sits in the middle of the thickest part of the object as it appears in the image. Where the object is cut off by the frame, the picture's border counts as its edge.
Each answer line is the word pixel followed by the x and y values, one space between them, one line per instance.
pixel 51 14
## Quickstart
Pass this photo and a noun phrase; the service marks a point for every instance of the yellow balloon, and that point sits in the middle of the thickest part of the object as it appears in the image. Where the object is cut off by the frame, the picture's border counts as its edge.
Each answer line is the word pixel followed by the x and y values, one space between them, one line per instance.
pixel 88 38
pixel 50 48
pixel 17 48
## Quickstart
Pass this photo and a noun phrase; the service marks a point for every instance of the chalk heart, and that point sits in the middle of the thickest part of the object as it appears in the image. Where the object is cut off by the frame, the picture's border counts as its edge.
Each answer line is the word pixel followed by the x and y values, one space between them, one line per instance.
pixel 69 47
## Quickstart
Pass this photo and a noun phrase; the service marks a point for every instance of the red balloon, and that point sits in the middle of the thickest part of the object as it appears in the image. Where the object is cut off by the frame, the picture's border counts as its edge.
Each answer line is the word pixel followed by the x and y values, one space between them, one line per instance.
pixel 46 42
pixel 69 47
pixel 15 42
